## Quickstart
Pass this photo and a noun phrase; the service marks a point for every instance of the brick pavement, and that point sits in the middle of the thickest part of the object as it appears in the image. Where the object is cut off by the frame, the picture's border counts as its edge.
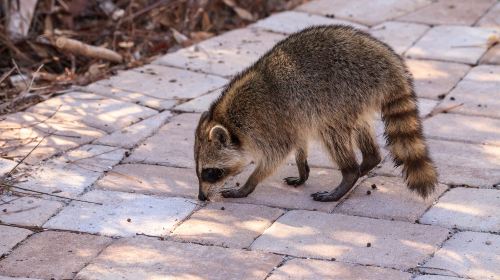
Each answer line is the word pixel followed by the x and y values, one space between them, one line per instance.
pixel 126 143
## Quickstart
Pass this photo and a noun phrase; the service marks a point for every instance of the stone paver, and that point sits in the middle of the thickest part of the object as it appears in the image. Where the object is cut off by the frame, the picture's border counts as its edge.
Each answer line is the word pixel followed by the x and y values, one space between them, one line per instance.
pixel 492 56
pixel 477 93
pixel 315 269
pixel 468 209
pixel 314 234
pixel 227 224
pixel 435 277
pixel 484 73
pixel 226 54
pixel 104 88
pixel 93 110
pixel 151 179
pixel 10 237
pixel 391 199
pixel 149 258
pixel 460 163
pixel 131 136
pixel 199 104
pixel 172 145
pixel 165 82
pixel 450 12
pixel 435 78
pixel 274 192
pixel 468 254
pixel 474 98
pixel 6 166
pixel 123 214
pixel 50 255
pixel 27 211
pixel 452 43
pixel 471 129
pixel 491 19
pixel 292 21
pixel 72 172
pixel 21 132
pixel 364 11
pixel 126 143
pixel 399 35
pixel 426 106
pixel 16 278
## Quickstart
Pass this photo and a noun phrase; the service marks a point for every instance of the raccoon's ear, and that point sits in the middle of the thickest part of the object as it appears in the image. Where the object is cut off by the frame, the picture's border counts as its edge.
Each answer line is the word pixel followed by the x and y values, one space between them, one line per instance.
pixel 220 134
pixel 204 116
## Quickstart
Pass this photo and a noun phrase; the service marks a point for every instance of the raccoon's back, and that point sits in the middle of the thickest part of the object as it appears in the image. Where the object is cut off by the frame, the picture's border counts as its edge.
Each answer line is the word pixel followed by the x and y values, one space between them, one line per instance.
pixel 335 59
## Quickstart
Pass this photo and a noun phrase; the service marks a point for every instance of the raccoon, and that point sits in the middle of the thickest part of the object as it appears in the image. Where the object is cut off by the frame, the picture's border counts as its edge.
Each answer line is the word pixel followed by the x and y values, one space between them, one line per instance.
pixel 324 83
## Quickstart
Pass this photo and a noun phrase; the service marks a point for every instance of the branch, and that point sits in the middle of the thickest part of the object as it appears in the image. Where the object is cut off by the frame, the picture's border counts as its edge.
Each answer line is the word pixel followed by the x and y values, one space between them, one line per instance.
pixel 77 47
pixel 49 194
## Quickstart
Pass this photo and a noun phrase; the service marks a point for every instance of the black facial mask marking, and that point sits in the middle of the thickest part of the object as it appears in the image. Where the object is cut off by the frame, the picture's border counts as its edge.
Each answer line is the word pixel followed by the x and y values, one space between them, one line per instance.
pixel 211 175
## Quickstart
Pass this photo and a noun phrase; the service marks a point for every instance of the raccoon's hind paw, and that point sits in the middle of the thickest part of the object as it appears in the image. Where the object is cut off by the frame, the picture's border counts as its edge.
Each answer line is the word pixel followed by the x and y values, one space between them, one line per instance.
pixel 294 181
pixel 326 196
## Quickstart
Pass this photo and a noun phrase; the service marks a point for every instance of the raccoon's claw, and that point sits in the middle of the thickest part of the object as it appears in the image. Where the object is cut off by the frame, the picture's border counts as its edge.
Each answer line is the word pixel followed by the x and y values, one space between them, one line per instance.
pixel 294 181
pixel 326 196
pixel 233 194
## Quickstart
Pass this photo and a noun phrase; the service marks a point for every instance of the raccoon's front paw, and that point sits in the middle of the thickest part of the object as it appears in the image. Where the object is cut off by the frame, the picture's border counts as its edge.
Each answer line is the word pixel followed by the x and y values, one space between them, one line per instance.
pixel 294 181
pixel 235 193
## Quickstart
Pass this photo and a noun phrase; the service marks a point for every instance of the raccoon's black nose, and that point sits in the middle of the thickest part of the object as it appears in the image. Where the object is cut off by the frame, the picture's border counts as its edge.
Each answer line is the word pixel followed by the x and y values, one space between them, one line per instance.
pixel 201 196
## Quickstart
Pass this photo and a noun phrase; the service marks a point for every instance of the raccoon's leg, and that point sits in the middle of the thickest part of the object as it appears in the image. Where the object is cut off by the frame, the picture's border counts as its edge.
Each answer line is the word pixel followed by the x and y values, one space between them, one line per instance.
pixel 301 160
pixel 368 146
pixel 339 144
pixel 262 170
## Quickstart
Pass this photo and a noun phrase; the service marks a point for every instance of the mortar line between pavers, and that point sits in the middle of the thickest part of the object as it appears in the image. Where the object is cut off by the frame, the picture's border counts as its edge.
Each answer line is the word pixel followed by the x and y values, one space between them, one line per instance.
pixel 33 232
pixel 139 143
pixel 284 260
pixel 451 233
pixel 197 208
pixel 471 114
pixel 167 120
pixel 59 154
pixel 416 274
pixel 308 14
pixel 444 183
pixel 409 12
pixel 173 110
pixel 346 196
pixel 67 202
pixel 105 98
pixel 274 221
pixel 290 257
pixel 489 48
pixel 113 241
pixel 404 54
pixel 442 60
pixel 440 101
pixel 439 138
pixel 449 187
pixel 180 68
pixel 278 254
pixel 86 90
pixel 166 64
pixel 484 14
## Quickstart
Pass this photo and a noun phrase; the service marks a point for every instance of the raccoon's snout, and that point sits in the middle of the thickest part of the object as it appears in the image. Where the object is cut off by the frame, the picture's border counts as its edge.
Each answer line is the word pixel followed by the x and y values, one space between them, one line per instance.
pixel 202 196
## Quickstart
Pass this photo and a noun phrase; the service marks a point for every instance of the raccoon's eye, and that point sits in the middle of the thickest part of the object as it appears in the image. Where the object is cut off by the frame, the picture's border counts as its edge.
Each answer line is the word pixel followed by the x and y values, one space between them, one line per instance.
pixel 211 175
